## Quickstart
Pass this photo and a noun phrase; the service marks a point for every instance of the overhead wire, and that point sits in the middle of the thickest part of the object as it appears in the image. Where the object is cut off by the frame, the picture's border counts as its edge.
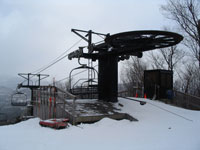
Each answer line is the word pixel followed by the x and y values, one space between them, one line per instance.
pixel 56 60
pixel 101 36
pixel 53 62
pixel 164 109
pixel 99 42
pixel 83 70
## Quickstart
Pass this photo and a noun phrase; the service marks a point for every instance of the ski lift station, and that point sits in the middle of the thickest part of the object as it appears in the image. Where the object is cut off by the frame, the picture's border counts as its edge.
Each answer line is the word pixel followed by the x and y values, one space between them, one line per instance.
pixel 94 97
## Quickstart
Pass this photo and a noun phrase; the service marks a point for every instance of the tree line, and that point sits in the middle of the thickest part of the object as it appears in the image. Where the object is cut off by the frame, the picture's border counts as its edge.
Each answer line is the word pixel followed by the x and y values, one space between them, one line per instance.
pixel 182 59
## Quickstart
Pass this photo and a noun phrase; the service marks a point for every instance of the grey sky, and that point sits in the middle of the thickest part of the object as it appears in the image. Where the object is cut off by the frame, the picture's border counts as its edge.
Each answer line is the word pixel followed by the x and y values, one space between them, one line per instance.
pixel 35 32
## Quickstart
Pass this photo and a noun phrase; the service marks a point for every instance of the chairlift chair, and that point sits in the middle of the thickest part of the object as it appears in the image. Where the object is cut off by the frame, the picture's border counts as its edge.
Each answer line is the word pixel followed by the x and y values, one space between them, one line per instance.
pixel 84 80
pixel 19 99
pixel 91 86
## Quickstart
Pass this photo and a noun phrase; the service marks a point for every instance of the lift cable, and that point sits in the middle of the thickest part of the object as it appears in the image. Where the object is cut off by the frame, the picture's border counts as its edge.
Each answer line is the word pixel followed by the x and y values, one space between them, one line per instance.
pixel 52 63
pixel 56 60
pixel 164 109
pixel 59 58
pixel 101 36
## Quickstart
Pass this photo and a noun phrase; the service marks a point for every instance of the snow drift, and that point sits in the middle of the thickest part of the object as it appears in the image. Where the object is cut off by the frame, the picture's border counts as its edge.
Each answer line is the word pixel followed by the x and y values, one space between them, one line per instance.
pixel 160 127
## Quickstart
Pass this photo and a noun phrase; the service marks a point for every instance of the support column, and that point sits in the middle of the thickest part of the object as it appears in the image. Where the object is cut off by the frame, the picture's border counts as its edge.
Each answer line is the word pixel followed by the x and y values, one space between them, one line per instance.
pixel 30 107
pixel 108 78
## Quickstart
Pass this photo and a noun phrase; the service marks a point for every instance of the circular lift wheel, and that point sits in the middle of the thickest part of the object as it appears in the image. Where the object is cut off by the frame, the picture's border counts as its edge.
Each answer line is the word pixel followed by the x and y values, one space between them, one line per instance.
pixel 139 41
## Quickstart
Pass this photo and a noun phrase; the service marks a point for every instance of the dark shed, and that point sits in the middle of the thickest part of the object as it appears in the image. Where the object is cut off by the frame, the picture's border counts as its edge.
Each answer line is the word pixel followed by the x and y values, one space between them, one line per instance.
pixel 158 83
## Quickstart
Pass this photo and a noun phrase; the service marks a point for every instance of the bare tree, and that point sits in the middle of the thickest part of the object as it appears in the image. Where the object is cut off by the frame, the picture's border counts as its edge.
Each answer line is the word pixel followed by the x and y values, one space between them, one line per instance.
pixel 133 76
pixel 172 56
pixel 166 58
pixel 156 60
pixel 189 80
pixel 186 14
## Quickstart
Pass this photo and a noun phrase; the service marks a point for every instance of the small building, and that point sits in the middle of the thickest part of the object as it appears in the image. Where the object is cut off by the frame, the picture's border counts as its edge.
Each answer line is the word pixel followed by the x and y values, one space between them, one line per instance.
pixel 158 84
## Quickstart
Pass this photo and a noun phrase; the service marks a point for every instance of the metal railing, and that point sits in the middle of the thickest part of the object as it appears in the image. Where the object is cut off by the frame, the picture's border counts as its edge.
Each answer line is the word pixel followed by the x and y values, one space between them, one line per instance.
pixel 186 100
pixel 179 99
pixel 62 96
pixel 51 102
pixel 132 93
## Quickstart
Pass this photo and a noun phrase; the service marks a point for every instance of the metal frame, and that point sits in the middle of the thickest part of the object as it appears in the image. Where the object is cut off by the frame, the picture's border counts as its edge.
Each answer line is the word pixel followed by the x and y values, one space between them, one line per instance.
pixel 18 103
pixel 119 47
pixel 86 80
pixel 28 76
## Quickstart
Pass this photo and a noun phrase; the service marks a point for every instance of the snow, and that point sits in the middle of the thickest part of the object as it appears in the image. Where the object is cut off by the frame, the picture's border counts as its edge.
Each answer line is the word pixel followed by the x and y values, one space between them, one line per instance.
pixel 160 127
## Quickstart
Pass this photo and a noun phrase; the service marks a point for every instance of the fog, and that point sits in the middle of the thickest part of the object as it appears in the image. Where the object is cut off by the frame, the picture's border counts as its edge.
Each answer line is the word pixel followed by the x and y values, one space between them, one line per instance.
pixel 33 33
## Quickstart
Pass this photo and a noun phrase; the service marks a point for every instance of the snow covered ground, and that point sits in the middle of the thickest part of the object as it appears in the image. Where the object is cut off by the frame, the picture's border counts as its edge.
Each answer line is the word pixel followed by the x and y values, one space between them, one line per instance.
pixel 160 127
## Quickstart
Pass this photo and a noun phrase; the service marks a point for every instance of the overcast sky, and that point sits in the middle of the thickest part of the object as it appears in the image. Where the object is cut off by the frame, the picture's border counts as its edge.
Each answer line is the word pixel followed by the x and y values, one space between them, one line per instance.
pixel 35 32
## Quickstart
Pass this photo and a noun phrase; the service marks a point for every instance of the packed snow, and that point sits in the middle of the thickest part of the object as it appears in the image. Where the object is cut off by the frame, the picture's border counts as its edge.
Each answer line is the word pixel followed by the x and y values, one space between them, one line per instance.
pixel 160 127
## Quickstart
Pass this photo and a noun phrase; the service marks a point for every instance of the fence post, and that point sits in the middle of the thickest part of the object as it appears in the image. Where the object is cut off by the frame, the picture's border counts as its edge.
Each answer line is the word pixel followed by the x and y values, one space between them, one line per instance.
pixel 74 108
pixel 64 105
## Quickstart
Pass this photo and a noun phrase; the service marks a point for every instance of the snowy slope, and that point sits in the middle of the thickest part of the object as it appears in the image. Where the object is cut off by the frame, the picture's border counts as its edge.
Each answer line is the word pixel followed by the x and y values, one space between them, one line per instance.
pixel 160 127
